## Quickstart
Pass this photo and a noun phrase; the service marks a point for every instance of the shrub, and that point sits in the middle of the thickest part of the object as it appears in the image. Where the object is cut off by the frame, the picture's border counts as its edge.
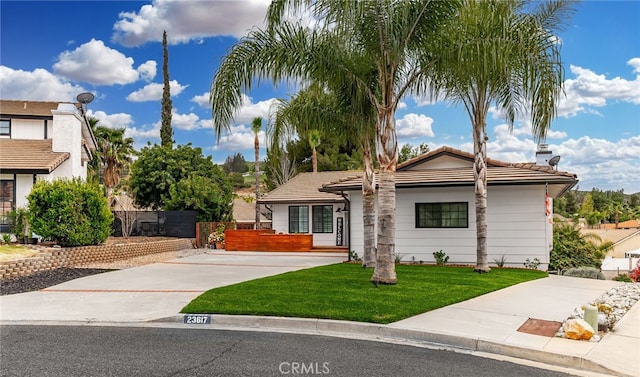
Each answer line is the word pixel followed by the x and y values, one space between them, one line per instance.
pixel 571 249
pixel 441 257
pixel 635 273
pixel 624 278
pixel 584 272
pixel 500 262
pixel 69 212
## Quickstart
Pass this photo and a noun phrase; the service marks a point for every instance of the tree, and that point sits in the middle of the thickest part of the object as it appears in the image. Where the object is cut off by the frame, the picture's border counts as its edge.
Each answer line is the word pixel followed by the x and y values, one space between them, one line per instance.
pixel 314 141
pixel 159 168
pixel 587 206
pixel 408 152
pixel 352 38
pixel 235 164
pixel 202 194
pixel 116 151
pixel 256 126
pixel 166 132
pixel 572 249
pixel 496 52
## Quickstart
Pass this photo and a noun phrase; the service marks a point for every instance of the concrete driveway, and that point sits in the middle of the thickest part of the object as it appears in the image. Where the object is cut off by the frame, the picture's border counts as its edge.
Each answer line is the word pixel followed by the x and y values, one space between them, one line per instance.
pixel 153 291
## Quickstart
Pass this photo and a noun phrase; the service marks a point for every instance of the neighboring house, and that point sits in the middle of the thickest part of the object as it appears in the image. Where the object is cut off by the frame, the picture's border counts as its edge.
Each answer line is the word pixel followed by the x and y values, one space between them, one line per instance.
pixel 244 211
pixel 299 207
pixel 39 140
pixel 625 240
pixel 436 207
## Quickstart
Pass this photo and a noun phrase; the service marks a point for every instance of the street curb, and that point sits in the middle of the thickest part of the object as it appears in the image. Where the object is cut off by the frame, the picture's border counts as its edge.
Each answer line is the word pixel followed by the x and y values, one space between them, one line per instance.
pixel 385 332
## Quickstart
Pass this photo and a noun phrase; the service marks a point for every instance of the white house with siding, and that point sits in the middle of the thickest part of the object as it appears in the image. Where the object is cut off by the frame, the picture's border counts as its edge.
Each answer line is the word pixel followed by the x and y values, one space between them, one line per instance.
pixel 39 140
pixel 435 208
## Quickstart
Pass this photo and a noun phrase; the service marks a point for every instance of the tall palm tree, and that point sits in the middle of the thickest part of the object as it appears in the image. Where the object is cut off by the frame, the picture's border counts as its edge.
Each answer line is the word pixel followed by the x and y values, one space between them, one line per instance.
pixel 503 53
pixel 390 36
pixel 314 141
pixel 256 126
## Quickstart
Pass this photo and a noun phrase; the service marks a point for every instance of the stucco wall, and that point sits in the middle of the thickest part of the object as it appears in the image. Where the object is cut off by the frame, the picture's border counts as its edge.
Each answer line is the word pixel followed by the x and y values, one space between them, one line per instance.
pixel 31 129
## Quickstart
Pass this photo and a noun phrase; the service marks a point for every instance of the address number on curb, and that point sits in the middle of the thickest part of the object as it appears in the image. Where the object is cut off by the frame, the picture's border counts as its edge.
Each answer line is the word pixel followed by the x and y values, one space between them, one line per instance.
pixel 199 319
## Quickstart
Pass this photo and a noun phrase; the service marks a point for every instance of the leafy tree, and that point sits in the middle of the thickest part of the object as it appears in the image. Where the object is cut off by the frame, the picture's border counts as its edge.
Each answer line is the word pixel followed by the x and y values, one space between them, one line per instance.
pixel 235 164
pixel 571 207
pixel 69 212
pixel 202 194
pixel 166 132
pixel 115 151
pixel 159 168
pixel 408 151
pixel 501 53
pixel 571 249
pixel 587 206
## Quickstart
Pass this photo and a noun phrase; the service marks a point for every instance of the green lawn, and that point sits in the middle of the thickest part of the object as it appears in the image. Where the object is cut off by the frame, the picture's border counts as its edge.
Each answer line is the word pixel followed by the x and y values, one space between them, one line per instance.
pixel 344 291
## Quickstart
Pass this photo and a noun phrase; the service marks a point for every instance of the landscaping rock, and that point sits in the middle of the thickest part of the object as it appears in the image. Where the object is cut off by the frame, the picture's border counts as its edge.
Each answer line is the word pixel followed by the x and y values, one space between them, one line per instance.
pixel 578 329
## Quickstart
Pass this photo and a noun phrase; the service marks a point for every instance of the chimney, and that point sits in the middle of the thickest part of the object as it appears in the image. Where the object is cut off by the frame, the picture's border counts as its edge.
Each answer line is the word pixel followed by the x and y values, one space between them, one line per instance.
pixel 543 155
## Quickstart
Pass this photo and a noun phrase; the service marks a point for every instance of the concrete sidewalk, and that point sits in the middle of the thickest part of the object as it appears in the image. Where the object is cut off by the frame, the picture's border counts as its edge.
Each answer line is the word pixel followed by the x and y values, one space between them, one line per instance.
pixel 486 324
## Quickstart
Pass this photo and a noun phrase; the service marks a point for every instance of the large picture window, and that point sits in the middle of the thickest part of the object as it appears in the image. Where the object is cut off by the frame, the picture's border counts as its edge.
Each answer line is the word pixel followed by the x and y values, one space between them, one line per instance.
pixel 442 215
pixel 298 219
pixel 322 219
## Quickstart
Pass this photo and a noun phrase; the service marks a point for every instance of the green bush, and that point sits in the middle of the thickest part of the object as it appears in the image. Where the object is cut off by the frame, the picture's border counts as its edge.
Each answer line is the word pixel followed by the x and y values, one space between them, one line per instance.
pixel 69 212
pixel 584 272
pixel 571 249
pixel 624 278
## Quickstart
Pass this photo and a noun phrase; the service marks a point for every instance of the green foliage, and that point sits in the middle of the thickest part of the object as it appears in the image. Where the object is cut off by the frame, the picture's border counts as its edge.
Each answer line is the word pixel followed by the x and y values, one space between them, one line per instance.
pixel 19 218
pixel 202 194
pixel 6 238
pixel 408 151
pixel 587 206
pixel 235 164
pixel 441 257
pixel 571 249
pixel 70 212
pixel 166 132
pixel 158 168
pixel 532 264
pixel 500 262
pixel 354 256
pixel 623 278
pixel 584 272
pixel 237 180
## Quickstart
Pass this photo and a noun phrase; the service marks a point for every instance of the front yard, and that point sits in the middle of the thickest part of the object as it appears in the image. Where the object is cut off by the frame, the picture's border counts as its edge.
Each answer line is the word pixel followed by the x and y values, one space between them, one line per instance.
pixel 344 292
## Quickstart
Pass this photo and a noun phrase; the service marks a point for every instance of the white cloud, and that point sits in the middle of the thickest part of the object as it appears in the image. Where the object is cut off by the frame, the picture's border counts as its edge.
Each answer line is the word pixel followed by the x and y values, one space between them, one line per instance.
pixel 189 122
pixel 412 126
pixel 143 134
pixel 119 120
pixel 148 70
pixel 202 100
pixel 36 85
pixel 238 138
pixel 250 110
pixel 402 105
pixel 153 92
pixel 188 20
pixel 95 63
pixel 589 90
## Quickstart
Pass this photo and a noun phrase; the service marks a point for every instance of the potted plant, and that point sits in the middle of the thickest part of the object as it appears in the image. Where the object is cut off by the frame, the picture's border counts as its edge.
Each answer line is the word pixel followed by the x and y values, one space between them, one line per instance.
pixel 216 239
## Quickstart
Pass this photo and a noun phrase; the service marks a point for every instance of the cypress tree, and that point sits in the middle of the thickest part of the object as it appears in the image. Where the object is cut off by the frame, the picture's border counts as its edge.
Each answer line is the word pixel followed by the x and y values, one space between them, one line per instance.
pixel 166 132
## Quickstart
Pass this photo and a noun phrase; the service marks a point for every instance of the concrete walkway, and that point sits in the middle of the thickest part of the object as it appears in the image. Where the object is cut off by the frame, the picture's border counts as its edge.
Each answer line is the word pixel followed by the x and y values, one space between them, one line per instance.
pixel 485 324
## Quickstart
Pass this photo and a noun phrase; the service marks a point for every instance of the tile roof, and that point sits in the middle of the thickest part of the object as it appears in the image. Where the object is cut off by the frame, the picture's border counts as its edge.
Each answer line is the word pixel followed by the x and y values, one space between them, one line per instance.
pixel 304 188
pixel 29 156
pixel 498 173
pixel 30 108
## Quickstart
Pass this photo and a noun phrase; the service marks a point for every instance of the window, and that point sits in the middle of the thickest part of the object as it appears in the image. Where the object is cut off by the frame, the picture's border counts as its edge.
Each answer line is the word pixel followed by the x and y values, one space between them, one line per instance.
pixel 442 215
pixel 5 127
pixel 6 203
pixel 322 219
pixel 298 219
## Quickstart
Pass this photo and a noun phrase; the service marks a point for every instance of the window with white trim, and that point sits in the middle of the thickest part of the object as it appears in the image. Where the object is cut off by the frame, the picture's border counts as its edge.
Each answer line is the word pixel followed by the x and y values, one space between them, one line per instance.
pixel 5 127
pixel 298 219
pixel 322 219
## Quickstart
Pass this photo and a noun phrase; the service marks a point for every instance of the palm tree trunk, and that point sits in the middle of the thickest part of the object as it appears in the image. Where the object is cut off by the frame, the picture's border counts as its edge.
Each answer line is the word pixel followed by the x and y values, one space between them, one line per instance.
pixel 480 175
pixel 368 207
pixel 256 144
pixel 314 159
pixel 387 146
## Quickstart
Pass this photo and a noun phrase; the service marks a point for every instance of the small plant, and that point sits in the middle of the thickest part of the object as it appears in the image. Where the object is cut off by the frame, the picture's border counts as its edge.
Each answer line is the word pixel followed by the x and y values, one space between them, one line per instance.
pixel 398 257
pixel 584 272
pixel 354 256
pixel 635 273
pixel 624 278
pixel 532 264
pixel 6 238
pixel 500 262
pixel 20 224
pixel 441 257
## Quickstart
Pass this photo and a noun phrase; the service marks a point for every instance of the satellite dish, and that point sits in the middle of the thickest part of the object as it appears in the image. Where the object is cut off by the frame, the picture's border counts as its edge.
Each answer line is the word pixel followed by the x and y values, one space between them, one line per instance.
pixel 85 98
pixel 553 161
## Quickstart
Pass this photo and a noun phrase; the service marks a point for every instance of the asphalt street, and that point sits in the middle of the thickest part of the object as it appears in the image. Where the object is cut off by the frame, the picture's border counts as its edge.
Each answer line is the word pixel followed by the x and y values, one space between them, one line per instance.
pixel 69 351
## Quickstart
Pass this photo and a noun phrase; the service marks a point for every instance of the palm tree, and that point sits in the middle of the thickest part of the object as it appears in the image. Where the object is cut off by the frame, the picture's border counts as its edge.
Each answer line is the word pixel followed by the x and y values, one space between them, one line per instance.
pixel 390 36
pixel 256 126
pixel 495 52
pixel 314 141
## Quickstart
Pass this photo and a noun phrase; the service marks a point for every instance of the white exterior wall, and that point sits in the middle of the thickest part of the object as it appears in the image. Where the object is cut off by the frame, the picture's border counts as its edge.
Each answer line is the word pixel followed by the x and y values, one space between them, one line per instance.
pixel 30 129
pixel 517 226
pixel 280 223
pixel 67 137
pixel 24 184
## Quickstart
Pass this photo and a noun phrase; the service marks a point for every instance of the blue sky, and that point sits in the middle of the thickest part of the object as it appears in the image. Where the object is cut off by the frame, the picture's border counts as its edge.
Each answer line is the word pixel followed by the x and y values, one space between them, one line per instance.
pixel 53 50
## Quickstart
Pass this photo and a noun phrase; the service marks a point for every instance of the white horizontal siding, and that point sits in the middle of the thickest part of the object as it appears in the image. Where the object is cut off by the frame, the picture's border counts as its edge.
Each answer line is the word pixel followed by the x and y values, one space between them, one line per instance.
pixel 280 223
pixel 517 226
